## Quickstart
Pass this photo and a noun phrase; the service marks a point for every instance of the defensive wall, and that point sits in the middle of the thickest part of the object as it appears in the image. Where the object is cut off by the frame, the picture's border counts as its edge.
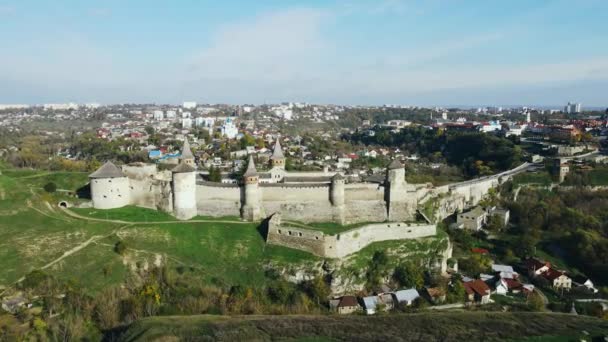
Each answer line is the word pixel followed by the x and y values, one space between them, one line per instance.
pixel 451 198
pixel 330 201
pixel 345 243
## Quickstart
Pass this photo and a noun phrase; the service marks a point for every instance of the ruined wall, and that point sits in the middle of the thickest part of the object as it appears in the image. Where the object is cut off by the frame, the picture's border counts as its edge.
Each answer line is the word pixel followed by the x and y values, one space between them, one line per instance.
pixel 148 187
pixel 340 245
pixel 311 241
pixel 343 244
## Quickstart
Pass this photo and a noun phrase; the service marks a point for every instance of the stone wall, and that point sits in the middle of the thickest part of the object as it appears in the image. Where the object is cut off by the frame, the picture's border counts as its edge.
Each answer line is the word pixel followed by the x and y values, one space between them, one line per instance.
pixel 218 200
pixel 345 243
pixel 108 193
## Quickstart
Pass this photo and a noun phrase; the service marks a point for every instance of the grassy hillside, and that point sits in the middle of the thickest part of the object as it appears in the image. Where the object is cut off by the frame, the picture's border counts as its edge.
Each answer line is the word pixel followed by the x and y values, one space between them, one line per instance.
pixel 226 251
pixel 455 326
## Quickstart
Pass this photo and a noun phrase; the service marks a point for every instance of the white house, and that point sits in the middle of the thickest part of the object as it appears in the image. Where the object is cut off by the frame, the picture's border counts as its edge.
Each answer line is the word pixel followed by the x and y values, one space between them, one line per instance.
pixel 370 304
pixel 473 219
pixel 406 297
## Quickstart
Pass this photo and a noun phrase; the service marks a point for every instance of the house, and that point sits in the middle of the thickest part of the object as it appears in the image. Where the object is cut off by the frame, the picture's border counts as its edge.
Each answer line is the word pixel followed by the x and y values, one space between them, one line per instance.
pixel 370 304
pixel 473 219
pixel 527 288
pixel 435 294
pixel 406 297
pixel 584 282
pixel 557 279
pixel 345 305
pixel 503 286
pixel 386 300
pixel 478 250
pixel 477 291
pixel 536 267
pixel 504 271
pixel 502 214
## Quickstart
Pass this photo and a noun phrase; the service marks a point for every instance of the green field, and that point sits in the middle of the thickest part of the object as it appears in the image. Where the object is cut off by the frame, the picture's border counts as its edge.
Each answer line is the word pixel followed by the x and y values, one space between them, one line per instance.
pixel 436 326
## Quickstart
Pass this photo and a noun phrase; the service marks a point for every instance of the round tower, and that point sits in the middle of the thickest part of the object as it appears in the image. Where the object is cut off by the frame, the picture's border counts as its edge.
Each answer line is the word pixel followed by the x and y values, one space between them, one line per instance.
pixel 277 159
pixel 109 187
pixel 395 173
pixel 251 209
pixel 337 190
pixel 184 191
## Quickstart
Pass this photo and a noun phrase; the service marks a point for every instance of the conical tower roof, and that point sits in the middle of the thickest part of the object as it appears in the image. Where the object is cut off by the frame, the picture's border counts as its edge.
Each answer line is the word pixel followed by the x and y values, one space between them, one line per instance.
pixel 107 170
pixel 337 176
pixel 251 171
pixel 395 164
pixel 186 151
pixel 182 168
pixel 278 151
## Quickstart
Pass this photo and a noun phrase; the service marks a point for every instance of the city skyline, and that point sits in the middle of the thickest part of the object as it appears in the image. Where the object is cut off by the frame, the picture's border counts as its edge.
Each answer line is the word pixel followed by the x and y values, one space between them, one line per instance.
pixel 402 52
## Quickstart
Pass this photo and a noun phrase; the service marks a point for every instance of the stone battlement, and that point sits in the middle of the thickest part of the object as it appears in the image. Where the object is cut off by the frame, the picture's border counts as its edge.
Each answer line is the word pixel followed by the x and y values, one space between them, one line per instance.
pixel 344 243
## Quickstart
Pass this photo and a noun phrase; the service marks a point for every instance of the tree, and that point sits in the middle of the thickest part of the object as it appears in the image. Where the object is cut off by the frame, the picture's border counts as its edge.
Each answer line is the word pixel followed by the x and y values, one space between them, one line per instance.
pixel 407 275
pixel 149 130
pixel 456 291
pixel 214 174
pixel 535 302
pixel 495 223
pixel 376 268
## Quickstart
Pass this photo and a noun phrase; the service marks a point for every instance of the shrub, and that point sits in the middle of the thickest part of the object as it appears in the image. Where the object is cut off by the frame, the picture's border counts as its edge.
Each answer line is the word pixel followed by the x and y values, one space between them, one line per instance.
pixel 50 187
pixel 120 248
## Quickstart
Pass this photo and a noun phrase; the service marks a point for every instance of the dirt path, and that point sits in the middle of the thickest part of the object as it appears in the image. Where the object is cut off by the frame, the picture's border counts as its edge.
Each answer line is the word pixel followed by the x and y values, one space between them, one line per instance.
pixel 35 176
pixel 82 217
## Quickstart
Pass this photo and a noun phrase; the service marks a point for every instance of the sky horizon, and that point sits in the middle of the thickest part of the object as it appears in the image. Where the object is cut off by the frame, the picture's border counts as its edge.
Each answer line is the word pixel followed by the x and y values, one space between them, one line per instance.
pixel 407 52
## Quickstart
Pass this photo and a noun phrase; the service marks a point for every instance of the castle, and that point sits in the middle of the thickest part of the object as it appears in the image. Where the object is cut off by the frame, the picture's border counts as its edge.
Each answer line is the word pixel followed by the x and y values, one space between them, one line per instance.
pixel 321 196
pixel 304 196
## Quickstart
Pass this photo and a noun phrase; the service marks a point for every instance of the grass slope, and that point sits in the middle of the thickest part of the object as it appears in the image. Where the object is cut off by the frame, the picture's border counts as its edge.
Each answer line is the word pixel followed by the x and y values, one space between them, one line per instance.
pixel 224 251
pixel 455 326
pixel 34 234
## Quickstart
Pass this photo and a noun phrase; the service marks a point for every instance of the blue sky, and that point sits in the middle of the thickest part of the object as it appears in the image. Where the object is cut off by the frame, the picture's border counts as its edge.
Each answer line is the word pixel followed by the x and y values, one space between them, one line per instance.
pixel 449 52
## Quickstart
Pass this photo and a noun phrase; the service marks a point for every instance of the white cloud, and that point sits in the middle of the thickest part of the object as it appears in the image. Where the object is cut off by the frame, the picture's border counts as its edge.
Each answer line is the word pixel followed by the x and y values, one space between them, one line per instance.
pixel 275 46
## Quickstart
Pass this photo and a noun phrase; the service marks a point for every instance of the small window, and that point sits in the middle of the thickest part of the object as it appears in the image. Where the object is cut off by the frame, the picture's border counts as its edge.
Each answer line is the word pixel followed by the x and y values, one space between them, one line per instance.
pixel 300 234
pixel 104 196
pixel 289 232
pixel 280 231
pixel 316 237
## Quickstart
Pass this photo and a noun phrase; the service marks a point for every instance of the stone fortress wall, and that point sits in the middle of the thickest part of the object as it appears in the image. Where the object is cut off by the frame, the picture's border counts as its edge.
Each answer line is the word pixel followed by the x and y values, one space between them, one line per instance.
pixel 345 243
pixel 144 186
pixel 184 193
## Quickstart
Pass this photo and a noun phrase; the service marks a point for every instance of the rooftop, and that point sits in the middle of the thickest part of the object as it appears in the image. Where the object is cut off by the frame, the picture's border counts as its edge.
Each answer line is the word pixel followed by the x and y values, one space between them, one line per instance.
pixel 107 170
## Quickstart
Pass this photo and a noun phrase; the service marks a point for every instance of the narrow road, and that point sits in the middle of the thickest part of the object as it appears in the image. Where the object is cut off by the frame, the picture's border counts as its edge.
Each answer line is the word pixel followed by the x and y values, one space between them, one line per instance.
pixel 447 306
